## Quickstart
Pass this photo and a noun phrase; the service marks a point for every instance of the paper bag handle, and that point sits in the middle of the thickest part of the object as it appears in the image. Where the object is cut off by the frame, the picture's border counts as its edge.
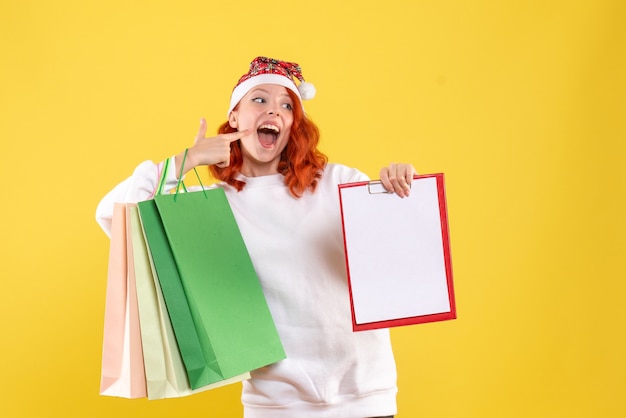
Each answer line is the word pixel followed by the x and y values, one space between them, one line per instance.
pixel 180 177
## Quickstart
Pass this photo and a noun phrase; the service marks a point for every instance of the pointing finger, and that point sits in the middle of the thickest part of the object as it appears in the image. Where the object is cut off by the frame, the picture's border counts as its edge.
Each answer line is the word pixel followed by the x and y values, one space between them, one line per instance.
pixel 202 129
pixel 233 136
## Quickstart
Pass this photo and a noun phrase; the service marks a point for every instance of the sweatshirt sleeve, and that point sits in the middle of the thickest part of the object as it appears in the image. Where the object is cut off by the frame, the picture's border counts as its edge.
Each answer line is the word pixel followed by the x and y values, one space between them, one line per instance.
pixel 141 185
pixel 340 174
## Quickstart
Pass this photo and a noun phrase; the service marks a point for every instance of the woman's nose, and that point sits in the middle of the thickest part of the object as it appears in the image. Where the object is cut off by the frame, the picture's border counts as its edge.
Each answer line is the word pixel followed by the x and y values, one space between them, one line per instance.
pixel 273 111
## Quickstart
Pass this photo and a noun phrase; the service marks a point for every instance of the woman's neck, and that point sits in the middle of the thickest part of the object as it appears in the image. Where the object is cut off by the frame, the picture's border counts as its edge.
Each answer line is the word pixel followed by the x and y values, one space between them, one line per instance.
pixel 256 169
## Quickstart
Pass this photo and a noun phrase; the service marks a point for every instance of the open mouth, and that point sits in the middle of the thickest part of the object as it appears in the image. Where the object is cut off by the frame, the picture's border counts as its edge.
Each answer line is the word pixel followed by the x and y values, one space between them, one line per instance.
pixel 268 134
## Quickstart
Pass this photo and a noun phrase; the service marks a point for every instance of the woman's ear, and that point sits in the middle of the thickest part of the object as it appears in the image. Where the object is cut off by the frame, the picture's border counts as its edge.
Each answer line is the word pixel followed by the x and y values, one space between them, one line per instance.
pixel 232 120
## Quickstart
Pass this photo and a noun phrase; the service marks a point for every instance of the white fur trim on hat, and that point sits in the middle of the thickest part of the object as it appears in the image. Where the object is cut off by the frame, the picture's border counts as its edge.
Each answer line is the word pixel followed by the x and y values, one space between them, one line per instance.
pixel 243 88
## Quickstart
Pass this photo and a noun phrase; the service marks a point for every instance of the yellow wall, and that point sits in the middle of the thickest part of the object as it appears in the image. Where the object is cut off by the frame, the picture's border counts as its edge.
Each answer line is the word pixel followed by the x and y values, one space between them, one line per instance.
pixel 521 104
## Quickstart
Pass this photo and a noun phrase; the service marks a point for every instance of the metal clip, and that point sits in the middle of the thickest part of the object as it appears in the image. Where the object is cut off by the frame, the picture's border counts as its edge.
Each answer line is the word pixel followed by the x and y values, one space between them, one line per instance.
pixel 376 187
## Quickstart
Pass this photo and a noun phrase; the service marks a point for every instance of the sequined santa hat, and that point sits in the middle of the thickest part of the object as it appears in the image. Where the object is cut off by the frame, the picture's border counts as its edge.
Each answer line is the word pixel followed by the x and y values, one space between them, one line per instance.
pixel 264 70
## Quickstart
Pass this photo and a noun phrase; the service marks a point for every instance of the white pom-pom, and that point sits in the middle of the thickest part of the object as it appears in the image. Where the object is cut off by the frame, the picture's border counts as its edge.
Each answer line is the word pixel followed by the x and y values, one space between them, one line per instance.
pixel 307 90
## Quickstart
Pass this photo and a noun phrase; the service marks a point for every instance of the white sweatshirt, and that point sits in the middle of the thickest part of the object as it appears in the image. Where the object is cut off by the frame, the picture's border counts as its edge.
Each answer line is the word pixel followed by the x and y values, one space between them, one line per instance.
pixel 296 247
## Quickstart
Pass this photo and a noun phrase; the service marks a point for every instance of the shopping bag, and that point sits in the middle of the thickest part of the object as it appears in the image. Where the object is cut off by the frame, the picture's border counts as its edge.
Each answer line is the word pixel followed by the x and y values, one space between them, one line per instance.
pixel 214 299
pixel 122 358
pixel 165 373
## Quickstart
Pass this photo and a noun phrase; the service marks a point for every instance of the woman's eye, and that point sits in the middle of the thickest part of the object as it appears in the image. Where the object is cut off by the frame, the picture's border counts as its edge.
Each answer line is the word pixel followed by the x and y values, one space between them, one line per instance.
pixel 258 100
pixel 288 106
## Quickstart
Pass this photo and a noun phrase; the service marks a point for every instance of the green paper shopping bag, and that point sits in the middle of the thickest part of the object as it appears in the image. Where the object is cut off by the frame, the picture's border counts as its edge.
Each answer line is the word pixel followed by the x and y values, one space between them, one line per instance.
pixel 221 320
pixel 166 376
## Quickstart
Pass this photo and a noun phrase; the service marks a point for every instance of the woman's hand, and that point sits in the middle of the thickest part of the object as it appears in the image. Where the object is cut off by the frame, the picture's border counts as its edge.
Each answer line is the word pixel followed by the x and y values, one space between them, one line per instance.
pixel 208 151
pixel 397 178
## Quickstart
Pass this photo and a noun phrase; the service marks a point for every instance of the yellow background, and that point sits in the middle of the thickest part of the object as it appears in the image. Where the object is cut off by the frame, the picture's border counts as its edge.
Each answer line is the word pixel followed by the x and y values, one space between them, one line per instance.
pixel 521 104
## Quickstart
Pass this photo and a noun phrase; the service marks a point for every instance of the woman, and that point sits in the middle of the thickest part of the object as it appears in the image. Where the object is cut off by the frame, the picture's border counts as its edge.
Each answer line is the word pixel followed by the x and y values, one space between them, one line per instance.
pixel 284 196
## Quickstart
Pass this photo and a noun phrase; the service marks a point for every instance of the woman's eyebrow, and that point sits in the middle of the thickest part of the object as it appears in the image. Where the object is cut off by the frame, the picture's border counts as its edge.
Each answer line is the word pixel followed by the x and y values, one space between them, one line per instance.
pixel 262 90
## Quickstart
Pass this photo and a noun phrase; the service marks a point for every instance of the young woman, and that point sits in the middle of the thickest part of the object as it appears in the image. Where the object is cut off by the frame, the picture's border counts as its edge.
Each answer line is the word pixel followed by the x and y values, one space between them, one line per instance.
pixel 285 200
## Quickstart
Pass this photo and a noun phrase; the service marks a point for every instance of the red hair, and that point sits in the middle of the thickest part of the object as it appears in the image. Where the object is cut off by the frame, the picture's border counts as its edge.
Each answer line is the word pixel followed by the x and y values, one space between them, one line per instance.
pixel 300 162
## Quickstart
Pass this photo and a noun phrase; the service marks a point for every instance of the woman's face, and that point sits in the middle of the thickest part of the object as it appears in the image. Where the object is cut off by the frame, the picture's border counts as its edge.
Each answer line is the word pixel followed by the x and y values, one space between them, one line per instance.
pixel 267 110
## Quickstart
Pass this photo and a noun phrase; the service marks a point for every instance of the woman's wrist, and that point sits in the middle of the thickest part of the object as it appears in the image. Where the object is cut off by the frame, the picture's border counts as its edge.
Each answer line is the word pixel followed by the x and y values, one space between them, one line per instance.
pixel 181 159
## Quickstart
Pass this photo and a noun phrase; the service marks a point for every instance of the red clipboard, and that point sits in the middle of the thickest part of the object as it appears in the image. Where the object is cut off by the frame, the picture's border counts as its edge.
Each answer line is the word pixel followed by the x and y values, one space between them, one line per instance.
pixel 397 253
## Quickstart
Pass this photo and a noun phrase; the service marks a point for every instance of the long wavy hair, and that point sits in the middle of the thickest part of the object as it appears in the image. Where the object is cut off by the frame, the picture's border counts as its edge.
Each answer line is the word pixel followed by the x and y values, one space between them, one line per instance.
pixel 300 162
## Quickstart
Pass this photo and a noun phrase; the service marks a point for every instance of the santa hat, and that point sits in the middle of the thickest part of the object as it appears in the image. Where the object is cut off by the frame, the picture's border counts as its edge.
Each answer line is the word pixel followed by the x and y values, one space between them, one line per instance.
pixel 264 70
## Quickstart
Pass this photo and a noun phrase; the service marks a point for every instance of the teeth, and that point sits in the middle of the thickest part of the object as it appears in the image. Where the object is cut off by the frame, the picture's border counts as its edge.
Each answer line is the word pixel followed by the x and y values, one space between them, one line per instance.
pixel 270 127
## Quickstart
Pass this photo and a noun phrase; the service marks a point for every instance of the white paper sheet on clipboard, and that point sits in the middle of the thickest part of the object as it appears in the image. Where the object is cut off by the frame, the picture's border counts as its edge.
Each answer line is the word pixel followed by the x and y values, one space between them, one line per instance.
pixel 397 254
